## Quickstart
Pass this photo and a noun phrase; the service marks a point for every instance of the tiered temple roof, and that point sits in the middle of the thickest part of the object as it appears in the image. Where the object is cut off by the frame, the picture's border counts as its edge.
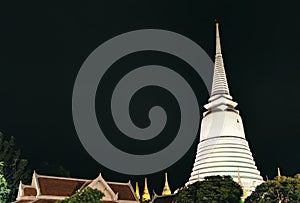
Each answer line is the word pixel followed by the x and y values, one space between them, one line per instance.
pixel 49 189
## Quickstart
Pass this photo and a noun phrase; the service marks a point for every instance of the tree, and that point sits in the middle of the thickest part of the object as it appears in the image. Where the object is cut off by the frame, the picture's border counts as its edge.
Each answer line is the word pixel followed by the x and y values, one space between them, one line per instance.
pixel 52 169
pixel 213 189
pixel 280 189
pixel 4 190
pixel 87 195
pixel 189 194
pixel 15 168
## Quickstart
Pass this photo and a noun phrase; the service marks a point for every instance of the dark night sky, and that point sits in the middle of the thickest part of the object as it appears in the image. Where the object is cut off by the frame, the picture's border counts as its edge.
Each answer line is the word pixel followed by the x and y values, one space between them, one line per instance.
pixel 43 46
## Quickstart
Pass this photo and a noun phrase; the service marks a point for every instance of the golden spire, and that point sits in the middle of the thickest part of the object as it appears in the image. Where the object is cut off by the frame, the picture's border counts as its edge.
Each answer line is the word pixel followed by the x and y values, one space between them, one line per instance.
pixel 278 172
pixel 244 195
pixel 146 195
pixel 166 190
pixel 137 190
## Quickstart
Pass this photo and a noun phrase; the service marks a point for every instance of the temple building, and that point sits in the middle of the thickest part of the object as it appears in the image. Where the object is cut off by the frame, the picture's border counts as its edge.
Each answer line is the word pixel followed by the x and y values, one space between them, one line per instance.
pixel 223 148
pixel 49 189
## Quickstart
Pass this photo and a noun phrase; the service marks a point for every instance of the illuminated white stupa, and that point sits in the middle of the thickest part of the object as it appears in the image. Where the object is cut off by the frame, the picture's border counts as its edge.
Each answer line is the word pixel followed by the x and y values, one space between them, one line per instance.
pixel 223 148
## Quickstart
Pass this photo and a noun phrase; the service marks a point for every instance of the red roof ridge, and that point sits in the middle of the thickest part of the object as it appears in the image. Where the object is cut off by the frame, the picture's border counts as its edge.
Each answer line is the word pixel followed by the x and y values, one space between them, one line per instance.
pixel 123 194
pixel 118 183
pixel 86 184
pixel 27 186
pixel 61 178
pixel 24 185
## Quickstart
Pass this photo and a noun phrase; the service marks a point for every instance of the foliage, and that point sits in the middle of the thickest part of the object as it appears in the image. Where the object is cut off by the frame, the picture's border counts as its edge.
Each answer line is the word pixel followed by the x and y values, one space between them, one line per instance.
pixel 281 189
pixel 4 190
pixel 87 195
pixel 15 168
pixel 213 189
pixel 52 169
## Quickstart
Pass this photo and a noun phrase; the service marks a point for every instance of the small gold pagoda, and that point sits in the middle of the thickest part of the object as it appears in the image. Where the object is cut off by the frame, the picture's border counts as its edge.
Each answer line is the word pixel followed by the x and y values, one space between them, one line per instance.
pixel 137 190
pixel 146 195
pixel 166 190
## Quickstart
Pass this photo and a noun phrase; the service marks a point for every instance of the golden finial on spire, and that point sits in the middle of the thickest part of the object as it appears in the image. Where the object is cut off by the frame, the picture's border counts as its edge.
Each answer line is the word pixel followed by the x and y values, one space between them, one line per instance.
pixel 166 190
pixel 137 190
pixel 146 195
pixel 218 43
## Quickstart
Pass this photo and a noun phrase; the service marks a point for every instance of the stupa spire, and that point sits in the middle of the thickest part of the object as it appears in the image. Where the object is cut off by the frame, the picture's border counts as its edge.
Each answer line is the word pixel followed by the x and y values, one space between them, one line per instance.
pixel 166 190
pixel 223 148
pixel 220 85
pixel 218 41
pixel 146 195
